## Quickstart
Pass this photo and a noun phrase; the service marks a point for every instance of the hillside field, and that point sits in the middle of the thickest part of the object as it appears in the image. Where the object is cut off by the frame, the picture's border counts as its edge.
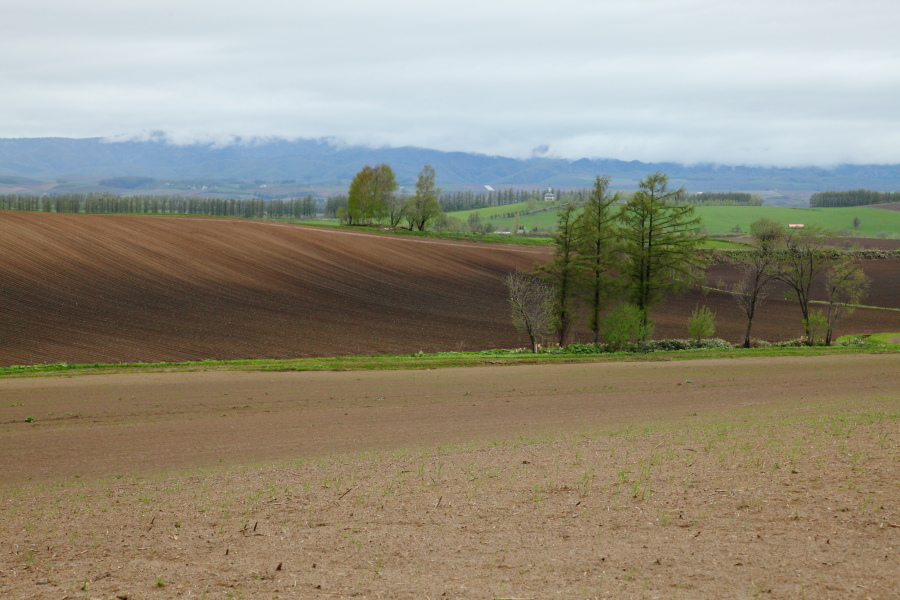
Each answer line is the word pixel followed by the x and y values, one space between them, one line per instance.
pixel 128 288
pixel 722 219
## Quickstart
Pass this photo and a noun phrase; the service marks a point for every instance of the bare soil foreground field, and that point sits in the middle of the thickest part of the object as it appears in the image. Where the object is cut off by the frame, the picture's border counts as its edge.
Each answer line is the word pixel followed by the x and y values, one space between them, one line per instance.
pixel 130 288
pixel 730 478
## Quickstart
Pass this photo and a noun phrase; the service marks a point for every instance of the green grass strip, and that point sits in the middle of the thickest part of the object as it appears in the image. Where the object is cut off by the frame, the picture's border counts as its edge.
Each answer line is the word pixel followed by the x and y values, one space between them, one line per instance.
pixel 440 360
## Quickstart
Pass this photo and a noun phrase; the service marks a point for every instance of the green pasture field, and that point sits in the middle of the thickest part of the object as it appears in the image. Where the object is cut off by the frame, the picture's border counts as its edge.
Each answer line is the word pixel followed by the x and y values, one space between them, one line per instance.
pixel 442 360
pixel 876 338
pixel 544 220
pixel 723 219
pixel 490 211
pixel 492 238
pixel 726 244
pixel 315 222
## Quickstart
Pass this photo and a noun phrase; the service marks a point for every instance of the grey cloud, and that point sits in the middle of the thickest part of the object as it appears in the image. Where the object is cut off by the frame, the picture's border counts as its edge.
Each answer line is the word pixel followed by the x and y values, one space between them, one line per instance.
pixel 765 82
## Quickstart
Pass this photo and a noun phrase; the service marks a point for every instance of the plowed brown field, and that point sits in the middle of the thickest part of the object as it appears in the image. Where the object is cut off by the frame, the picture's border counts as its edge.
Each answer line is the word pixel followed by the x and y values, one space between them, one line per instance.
pixel 846 242
pixel 104 288
pixel 135 288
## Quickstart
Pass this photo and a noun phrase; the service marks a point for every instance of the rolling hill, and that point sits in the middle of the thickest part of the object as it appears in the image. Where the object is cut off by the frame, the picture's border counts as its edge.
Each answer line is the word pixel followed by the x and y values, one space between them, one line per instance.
pixel 122 288
pixel 874 220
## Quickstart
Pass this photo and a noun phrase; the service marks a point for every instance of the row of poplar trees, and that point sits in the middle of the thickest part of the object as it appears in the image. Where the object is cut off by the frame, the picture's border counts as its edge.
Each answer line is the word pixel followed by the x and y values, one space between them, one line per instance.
pixel 632 252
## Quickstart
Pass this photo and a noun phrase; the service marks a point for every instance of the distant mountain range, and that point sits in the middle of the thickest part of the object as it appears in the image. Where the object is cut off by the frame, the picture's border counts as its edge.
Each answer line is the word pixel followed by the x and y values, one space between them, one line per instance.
pixel 324 163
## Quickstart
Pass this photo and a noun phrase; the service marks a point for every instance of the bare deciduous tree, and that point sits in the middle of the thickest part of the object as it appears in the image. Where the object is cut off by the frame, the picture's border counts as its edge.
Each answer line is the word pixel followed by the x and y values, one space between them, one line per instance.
pixel 803 260
pixel 758 273
pixel 532 306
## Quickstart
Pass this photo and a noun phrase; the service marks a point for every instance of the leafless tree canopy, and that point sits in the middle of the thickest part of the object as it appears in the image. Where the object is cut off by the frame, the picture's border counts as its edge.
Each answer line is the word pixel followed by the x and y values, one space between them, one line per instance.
pixel 531 303
pixel 751 291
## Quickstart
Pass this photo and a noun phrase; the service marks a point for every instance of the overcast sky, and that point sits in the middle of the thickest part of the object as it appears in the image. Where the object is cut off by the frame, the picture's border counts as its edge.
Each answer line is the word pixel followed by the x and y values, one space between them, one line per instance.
pixel 760 82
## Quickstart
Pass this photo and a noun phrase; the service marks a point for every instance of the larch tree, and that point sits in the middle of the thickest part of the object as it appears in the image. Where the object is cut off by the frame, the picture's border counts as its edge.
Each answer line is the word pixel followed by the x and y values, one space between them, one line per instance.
pixel 660 239
pixel 564 270
pixel 597 242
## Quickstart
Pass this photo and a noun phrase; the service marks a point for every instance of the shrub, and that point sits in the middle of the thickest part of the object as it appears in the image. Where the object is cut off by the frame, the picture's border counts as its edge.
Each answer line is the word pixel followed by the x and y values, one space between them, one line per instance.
pixel 664 345
pixel 701 324
pixel 622 326
pixel 585 349
pixel 795 343
pixel 817 325
pixel 715 344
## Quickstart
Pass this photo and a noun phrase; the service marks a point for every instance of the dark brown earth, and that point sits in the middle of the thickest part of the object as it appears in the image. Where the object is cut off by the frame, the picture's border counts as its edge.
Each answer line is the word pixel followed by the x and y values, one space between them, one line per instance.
pixel 845 242
pixel 887 206
pixel 865 243
pixel 771 478
pixel 80 288
pixel 123 288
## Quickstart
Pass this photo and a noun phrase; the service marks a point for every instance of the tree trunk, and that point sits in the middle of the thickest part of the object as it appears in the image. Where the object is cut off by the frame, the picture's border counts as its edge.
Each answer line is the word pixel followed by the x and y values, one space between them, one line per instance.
pixel 595 315
pixel 747 335
pixel 831 319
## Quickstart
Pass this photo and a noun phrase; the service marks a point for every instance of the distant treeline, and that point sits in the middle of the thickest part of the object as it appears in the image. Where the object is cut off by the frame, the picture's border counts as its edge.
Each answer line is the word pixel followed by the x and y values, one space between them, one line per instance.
pixel 471 201
pixel 333 204
pixel 725 199
pixel 260 208
pixel 111 203
pixel 453 201
pixel 128 182
pixel 851 198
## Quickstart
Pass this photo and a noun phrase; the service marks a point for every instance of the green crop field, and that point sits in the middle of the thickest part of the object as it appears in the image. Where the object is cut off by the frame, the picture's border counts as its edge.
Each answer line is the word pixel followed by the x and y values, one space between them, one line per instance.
pixel 723 219
pixel 490 211
pixel 544 220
